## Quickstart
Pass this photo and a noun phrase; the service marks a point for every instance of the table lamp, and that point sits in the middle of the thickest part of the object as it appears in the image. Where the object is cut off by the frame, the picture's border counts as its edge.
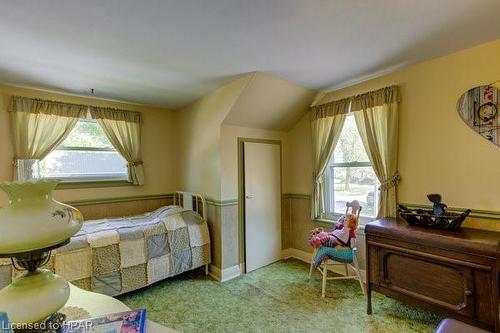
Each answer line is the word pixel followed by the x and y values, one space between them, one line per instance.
pixel 31 226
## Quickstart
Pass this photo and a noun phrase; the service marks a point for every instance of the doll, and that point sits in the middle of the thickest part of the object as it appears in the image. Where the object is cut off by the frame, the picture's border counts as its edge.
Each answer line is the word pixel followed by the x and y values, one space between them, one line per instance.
pixel 345 229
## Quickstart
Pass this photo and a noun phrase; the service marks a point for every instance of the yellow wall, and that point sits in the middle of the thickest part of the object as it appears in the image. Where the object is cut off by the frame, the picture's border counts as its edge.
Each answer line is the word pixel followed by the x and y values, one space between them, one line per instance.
pixel 158 147
pixel 438 152
pixel 198 139
pixel 298 158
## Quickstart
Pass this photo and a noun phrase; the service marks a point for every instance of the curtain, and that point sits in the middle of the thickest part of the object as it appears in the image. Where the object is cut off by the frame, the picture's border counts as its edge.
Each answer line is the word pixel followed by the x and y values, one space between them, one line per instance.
pixel 376 115
pixel 123 129
pixel 327 122
pixel 38 127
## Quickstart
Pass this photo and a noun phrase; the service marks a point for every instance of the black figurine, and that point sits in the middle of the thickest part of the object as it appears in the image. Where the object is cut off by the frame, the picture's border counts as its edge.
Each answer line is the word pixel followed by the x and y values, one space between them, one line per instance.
pixel 438 208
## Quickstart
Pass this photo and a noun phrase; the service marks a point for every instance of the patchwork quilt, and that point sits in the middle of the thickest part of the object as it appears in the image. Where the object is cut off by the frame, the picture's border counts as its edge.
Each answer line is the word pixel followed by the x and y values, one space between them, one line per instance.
pixel 115 256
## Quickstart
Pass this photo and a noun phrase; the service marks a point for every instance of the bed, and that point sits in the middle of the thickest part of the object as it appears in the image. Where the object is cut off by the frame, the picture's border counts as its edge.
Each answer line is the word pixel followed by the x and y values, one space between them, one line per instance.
pixel 119 255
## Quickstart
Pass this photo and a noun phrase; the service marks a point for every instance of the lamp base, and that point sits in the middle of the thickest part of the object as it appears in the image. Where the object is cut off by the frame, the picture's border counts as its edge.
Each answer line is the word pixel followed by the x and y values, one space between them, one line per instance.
pixel 34 296
pixel 38 293
pixel 50 325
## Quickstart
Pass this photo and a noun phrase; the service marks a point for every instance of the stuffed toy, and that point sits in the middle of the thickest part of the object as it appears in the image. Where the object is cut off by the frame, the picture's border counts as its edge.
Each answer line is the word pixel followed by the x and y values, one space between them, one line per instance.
pixel 316 237
pixel 344 230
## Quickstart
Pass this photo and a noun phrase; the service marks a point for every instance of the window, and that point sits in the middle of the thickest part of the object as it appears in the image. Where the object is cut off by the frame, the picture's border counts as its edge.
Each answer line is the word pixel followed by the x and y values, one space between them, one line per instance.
pixel 85 155
pixel 349 175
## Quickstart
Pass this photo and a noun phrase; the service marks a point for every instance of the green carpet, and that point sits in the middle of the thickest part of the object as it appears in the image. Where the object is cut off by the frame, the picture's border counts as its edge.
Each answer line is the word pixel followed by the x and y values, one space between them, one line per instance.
pixel 276 298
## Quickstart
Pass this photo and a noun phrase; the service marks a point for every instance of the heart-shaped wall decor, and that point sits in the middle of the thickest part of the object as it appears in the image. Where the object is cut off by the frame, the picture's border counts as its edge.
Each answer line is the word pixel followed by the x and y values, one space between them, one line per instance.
pixel 478 107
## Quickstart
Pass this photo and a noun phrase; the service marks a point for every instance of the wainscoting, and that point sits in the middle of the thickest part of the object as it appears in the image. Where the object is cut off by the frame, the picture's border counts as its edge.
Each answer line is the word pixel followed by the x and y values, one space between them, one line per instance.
pixel 223 224
pixel 116 207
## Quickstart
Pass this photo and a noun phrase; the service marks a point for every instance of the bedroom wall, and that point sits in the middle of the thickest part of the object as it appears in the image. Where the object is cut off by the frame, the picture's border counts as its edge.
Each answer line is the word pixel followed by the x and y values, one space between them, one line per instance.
pixel 158 147
pixel 198 139
pixel 438 152
pixel 199 157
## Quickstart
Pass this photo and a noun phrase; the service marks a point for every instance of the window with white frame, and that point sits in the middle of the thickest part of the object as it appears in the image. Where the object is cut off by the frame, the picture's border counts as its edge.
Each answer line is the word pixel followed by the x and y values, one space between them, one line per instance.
pixel 349 175
pixel 85 155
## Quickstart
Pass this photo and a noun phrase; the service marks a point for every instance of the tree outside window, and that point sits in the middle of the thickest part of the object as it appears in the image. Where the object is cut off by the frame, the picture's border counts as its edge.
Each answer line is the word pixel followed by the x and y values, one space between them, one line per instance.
pixel 349 175
pixel 85 155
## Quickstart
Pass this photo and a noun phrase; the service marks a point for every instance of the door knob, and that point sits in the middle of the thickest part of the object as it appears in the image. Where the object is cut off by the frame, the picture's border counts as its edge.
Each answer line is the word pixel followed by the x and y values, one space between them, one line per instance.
pixel 248 196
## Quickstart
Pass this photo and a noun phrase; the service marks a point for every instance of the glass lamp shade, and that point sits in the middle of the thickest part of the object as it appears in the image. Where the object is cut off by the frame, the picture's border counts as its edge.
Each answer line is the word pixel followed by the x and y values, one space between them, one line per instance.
pixel 30 227
pixel 33 220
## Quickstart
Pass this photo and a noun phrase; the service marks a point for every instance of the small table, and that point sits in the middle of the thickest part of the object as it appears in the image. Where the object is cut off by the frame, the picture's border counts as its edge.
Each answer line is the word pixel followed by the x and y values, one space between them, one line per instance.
pixel 99 305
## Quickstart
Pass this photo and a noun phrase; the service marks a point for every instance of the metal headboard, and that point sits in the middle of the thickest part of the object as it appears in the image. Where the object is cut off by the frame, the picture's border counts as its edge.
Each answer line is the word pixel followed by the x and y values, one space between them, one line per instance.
pixel 191 201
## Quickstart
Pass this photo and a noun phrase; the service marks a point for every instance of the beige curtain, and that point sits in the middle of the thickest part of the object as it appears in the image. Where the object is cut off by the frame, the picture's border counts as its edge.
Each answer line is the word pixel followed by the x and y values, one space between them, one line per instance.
pixel 376 115
pixel 38 127
pixel 123 129
pixel 327 122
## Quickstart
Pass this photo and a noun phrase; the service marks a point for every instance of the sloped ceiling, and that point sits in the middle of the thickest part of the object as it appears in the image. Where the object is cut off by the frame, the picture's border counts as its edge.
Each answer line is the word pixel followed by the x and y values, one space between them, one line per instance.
pixel 269 102
pixel 169 53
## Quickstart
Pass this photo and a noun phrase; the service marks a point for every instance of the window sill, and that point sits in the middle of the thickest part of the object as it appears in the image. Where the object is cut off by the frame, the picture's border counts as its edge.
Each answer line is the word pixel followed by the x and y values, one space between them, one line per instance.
pixel 66 185
pixel 362 220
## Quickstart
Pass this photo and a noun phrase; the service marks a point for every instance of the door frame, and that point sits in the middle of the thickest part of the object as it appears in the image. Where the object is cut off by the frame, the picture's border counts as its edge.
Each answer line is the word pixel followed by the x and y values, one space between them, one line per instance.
pixel 241 191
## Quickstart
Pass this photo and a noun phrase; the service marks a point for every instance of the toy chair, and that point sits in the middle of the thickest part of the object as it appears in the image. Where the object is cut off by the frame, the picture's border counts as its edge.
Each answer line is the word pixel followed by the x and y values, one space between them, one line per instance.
pixel 346 257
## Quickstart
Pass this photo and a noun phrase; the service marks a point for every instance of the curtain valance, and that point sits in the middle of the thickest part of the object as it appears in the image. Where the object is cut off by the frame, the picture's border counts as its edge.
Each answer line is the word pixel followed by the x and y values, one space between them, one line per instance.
pixel 379 97
pixel 71 110
pixel 40 106
pixel 387 95
pixel 115 114
pixel 330 109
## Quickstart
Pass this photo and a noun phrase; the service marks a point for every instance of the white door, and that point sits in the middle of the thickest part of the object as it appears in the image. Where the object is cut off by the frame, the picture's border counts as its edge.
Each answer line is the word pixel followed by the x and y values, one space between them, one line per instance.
pixel 262 170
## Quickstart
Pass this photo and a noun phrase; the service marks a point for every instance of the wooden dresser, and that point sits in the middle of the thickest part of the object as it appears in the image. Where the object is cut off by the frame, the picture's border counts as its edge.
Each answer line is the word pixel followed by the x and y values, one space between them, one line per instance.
pixel 453 273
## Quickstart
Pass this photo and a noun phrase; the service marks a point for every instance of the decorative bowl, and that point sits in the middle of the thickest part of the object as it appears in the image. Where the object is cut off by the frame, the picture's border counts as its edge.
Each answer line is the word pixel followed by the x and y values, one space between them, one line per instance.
pixel 426 218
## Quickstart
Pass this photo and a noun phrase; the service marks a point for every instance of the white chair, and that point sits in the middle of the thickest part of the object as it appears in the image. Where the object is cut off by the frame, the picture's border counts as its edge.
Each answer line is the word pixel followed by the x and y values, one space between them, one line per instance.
pixel 355 208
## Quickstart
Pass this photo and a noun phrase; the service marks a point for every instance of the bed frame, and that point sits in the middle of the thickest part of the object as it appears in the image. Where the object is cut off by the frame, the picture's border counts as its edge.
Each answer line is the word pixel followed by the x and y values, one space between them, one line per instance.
pixel 192 201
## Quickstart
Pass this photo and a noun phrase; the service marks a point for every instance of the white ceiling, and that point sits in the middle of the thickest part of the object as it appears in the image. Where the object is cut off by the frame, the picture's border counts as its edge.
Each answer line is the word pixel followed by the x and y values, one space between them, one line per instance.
pixel 168 53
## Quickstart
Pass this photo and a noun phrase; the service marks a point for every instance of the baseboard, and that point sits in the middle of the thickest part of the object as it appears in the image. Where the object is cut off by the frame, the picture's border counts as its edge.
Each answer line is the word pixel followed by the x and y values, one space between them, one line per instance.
pixel 297 254
pixel 226 274
pixel 214 272
pixel 306 257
